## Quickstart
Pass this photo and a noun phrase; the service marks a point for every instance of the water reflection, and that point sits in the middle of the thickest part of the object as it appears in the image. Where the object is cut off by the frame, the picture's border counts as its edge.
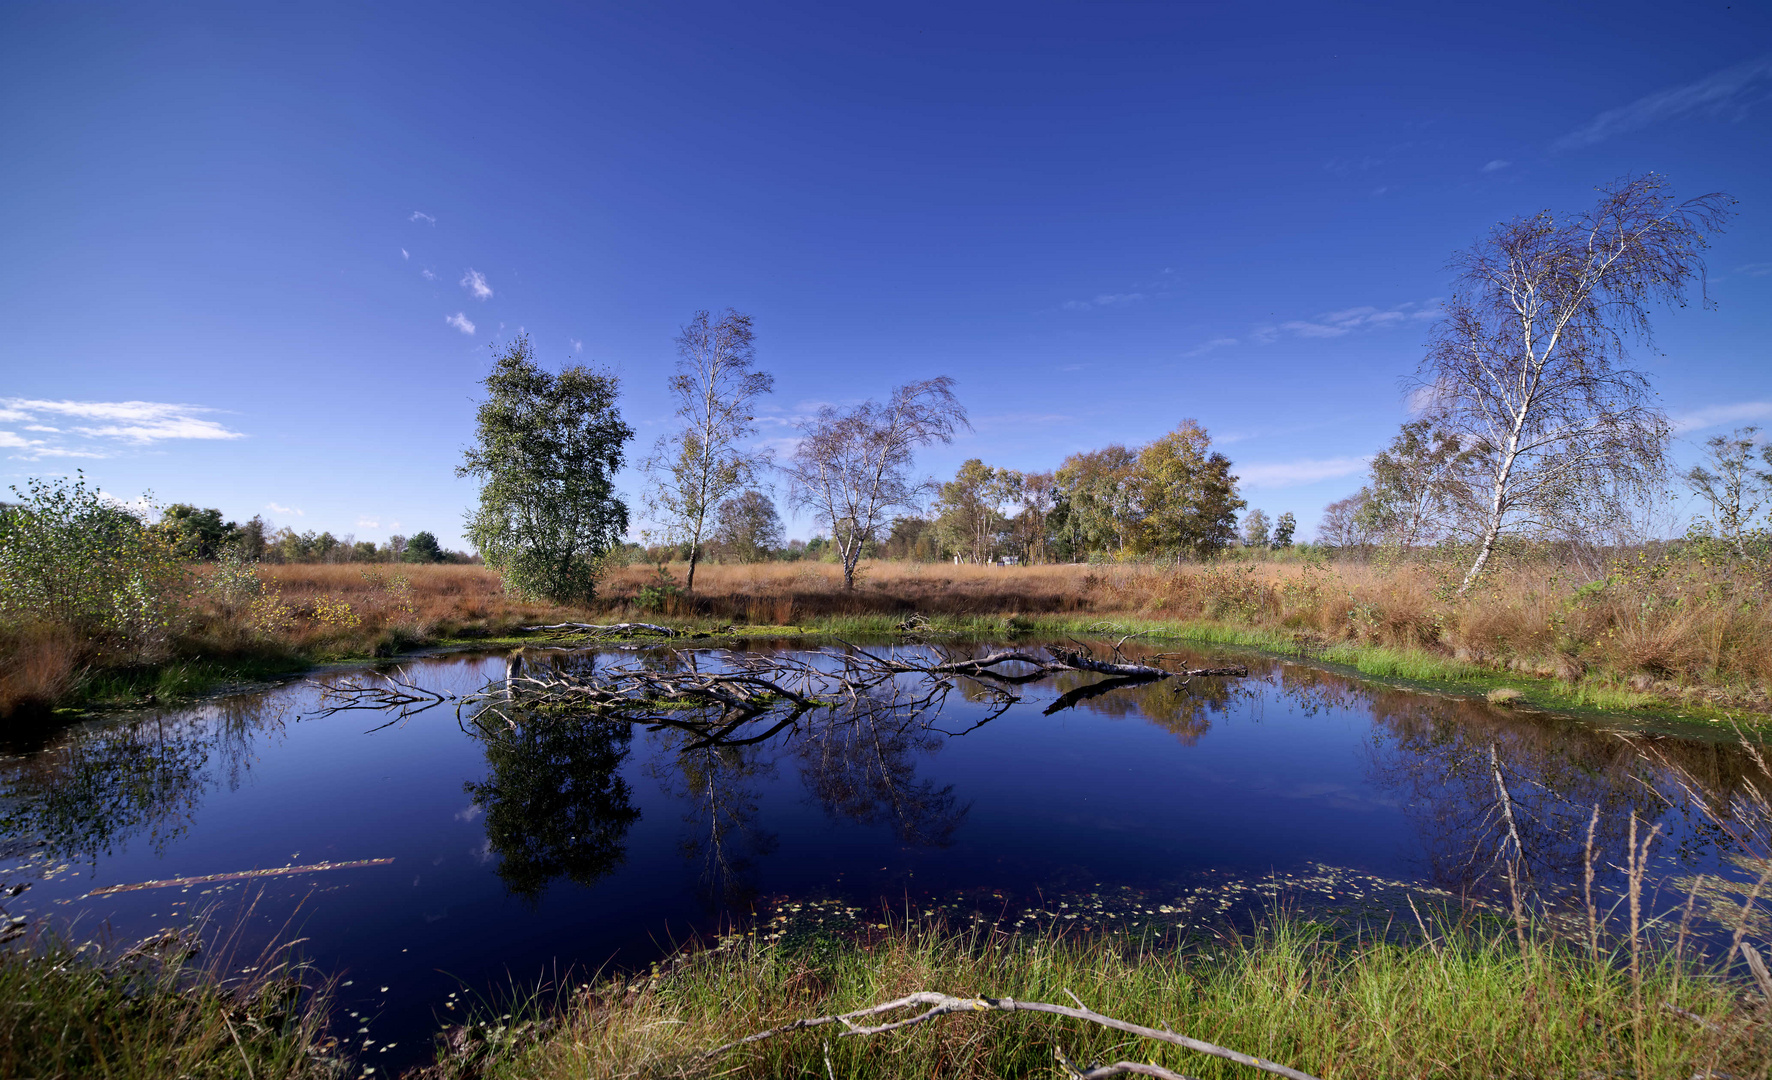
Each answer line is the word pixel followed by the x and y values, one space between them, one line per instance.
pixel 719 788
pixel 97 788
pixel 555 803
pixel 865 772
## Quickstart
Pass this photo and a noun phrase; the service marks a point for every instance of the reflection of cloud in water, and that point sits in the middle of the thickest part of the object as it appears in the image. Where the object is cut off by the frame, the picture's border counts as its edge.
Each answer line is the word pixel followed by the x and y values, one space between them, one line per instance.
pixel 472 813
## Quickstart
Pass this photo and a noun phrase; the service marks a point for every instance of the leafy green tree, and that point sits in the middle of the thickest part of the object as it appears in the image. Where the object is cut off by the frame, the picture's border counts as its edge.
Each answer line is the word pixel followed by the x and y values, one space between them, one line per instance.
pixel 1187 494
pixel 1284 527
pixel 72 558
pixel 422 548
pixel 198 534
pixel 547 451
pixel 1255 529
pixel 1419 488
pixel 696 469
pixel 970 518
pixel 1733 487
pixel 748 527
pixel 1101 511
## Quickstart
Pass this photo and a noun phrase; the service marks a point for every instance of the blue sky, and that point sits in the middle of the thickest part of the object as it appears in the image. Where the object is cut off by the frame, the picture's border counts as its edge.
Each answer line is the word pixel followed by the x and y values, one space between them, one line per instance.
pixel 254 256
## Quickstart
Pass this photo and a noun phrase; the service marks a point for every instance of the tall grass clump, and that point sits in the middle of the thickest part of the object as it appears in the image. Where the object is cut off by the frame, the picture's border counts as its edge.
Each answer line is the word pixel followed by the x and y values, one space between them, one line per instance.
pixel 152 1012
pixel 1473 1002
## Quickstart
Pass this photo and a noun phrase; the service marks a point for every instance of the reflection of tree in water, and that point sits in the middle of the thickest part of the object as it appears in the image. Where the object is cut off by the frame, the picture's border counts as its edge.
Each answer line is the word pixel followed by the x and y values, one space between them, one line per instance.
pixel 101 785
pixel 719 784
pixel 862 769
pixel 1185 710
pixel 1451 761
pixel 555 805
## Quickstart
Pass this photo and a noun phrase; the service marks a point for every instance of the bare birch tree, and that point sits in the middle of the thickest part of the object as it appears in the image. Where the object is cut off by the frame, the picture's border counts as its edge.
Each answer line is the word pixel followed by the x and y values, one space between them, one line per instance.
pixel 1529 367
pixel 698 467
pixel 852 468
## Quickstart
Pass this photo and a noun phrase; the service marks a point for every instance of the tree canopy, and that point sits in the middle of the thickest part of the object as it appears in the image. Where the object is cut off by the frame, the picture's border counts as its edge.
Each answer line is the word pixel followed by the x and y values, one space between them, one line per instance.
pixel 546 453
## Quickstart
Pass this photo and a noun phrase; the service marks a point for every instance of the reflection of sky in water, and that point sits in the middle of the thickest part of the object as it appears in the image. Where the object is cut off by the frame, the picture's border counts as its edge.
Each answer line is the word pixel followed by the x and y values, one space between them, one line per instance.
pixel 581 845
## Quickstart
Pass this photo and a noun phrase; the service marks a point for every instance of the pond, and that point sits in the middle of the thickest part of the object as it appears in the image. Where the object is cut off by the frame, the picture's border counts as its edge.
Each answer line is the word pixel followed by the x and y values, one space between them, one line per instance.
pixel 482 855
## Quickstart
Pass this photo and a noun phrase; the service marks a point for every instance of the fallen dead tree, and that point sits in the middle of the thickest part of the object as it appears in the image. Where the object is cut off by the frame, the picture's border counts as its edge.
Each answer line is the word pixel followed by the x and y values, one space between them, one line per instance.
pixel 937 1005
pixel 735 697
pixel 623 629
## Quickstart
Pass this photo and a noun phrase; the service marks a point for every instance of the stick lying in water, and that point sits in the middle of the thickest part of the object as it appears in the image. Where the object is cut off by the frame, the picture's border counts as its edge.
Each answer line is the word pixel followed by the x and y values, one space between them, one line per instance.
pixel 275 871
pixel 944 1004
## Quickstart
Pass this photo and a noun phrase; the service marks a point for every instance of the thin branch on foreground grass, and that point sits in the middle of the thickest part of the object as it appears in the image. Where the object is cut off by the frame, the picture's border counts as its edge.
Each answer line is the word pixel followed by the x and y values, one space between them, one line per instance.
pixel 939 1004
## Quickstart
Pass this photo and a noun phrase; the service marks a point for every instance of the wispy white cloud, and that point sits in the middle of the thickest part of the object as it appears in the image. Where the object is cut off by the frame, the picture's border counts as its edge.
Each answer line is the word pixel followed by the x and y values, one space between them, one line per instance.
pixel 1280 474
pixel 420 215
pixel 404 254
pixel 100 426
pixel 427 275
pixel 577 345
pixel 1726 92
pixel 461 322
pixel 1497 165
pixel 1336 324
pixel 1710 416
pixel 12 440
pixel 1105 300
pixel 368 523
pixel 475 282
pixel 1759 269
pixel 1210 346
pixel 277 508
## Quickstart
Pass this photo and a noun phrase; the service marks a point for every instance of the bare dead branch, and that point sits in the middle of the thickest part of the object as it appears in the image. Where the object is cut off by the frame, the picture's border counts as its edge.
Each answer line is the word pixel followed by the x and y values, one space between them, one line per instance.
pixel 610 630
pixel 938 1005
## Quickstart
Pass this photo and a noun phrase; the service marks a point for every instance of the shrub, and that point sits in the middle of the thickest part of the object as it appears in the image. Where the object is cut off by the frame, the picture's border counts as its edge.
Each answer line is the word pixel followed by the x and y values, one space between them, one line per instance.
pixel 71 558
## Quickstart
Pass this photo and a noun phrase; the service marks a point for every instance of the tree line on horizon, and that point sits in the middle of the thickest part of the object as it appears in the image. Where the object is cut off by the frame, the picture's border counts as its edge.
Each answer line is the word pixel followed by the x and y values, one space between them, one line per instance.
pixel 200 534
pixel 1532 422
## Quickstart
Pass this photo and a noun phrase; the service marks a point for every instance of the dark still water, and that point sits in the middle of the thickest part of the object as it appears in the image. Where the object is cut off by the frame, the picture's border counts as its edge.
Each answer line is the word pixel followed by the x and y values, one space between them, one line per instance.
pixel 571 844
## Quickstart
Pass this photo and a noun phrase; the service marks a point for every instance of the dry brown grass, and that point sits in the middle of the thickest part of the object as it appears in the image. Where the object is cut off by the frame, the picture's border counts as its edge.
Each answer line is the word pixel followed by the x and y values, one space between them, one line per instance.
pixel 1670 628
pixel 1673 625
pixel 37 667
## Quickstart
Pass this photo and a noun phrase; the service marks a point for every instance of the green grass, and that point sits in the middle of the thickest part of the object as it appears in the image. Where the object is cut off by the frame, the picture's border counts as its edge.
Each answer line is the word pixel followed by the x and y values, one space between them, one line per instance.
pixel 1471 1004
pixel 150 1013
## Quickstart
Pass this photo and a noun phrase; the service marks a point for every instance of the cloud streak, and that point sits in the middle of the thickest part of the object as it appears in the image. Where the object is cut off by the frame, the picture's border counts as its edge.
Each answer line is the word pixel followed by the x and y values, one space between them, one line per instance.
pixel 1334 324
pixel 460 321
pixel 91 429
pixel 1725 92
pixel 420 215
pixel 1105 300
pixel 1282 474
pixel 1717 415
pixel 475 282
pixel 1210 346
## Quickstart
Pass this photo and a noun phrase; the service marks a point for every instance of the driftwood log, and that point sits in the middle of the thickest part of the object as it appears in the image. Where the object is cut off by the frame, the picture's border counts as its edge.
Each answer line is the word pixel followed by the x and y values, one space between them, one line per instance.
pixel 937 1005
